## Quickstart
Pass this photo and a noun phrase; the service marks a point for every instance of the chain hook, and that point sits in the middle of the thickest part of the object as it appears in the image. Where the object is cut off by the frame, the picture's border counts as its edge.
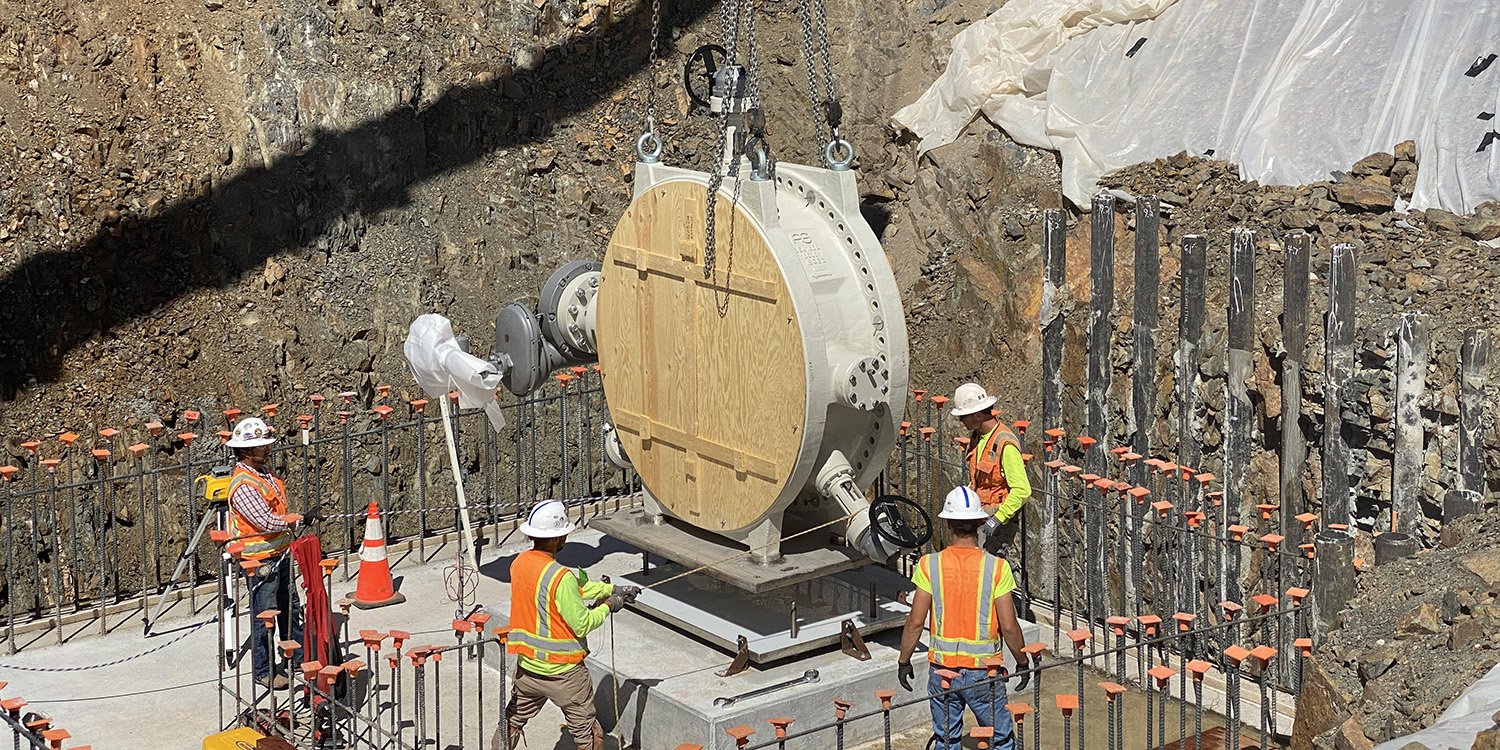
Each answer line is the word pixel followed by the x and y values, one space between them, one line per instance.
pixel 759 155
pixel 839 164
pixel 648 147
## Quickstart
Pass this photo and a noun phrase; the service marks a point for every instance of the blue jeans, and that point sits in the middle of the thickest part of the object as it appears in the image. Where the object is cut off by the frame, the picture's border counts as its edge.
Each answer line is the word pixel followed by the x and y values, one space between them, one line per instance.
pixel 274 591
pixel 948 710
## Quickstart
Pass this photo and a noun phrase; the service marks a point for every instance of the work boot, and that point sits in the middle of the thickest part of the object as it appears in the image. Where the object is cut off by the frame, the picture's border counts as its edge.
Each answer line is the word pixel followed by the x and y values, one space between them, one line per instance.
pixel 274 682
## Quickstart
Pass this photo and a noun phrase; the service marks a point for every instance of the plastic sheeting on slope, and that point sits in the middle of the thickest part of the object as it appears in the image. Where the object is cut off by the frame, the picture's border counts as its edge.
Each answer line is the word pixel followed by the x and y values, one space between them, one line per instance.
pixel 990 58
pixel 1468 715
pixel 1290 90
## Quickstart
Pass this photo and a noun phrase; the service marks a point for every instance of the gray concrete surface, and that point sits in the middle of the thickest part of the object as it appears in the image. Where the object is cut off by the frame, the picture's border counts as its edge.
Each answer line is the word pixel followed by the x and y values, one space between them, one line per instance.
pixel 169 699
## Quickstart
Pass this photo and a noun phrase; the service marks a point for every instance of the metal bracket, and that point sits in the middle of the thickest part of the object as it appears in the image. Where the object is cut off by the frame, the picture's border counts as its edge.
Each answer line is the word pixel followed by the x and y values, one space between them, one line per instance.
pixel 741 660
pixel 852 643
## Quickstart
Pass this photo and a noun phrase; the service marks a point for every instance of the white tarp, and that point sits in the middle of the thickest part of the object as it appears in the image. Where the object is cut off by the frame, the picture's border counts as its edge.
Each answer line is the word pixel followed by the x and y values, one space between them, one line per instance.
pixel 1290 90
pixel 1468 715
pixel 990 57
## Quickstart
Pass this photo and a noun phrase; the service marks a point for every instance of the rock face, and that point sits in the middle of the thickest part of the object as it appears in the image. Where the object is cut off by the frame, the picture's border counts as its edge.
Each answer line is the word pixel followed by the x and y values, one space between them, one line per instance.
pixel 1417 634
pixel 222 204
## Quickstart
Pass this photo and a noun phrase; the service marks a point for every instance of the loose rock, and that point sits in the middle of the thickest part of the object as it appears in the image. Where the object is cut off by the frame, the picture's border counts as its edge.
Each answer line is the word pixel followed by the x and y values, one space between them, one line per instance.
pixel 1420 620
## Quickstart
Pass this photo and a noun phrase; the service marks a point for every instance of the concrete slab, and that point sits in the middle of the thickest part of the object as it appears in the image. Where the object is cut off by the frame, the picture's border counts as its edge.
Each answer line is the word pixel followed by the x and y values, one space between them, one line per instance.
pixel 667 685
pixel 166 695
pixel 665 682
pixel 167 699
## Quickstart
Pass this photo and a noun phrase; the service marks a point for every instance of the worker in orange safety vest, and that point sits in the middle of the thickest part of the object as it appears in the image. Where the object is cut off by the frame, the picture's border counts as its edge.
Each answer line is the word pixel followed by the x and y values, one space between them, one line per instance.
pixel 996 470
pixel 548 622
pixel 257 503
pixel 962 597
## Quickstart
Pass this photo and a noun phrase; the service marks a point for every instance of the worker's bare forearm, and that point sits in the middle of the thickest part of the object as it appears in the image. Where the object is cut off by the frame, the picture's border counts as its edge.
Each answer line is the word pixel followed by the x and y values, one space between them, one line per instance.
pixel 1015 642
pixel 910 635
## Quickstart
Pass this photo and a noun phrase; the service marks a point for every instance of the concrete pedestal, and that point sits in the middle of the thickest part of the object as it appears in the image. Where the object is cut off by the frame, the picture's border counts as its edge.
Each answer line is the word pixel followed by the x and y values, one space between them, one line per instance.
pixel 667 685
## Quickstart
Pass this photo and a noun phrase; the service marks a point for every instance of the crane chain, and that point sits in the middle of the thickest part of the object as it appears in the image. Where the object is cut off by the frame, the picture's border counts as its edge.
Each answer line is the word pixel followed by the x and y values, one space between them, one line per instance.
pixel 827 111
pixel 805 12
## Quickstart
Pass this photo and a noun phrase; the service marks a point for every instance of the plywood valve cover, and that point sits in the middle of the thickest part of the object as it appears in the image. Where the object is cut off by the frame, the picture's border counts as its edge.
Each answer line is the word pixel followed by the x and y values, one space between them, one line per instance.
pixel 710 409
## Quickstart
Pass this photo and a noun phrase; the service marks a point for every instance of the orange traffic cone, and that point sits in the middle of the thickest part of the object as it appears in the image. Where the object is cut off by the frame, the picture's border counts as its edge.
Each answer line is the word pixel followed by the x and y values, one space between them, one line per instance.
pixel 375 587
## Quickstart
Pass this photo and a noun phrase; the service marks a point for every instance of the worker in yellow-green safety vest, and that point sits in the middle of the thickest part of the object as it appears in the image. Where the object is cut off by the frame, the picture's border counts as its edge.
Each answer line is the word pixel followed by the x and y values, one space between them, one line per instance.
pixel 997 473
pixel 963 597
pixel 548 622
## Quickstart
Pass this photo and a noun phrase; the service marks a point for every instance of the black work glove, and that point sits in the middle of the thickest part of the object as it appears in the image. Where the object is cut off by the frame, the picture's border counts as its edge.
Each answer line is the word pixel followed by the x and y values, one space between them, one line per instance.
pixel 905 674
pixel 615 602
pixel 629 593
pixel 990 534
pixel 1025 670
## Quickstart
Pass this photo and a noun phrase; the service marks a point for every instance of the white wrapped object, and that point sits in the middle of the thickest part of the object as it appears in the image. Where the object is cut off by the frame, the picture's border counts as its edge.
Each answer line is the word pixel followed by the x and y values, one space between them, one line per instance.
pixel 441 367
pixel 991 57
pixel 1288 90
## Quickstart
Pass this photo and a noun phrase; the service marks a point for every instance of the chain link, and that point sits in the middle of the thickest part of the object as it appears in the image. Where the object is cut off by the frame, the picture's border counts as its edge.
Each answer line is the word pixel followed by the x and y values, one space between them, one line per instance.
pixel 826 111
pixel 651 79
pixel 731 11
pixel 752 62
pixel 729 18
pixel 805 11
pixel 821 19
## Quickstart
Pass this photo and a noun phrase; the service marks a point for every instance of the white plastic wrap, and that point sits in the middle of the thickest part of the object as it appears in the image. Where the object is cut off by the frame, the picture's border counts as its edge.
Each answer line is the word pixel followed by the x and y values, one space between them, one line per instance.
pixel 441 367
pixel 990 58
pixel 1290 90
pixel 1468 715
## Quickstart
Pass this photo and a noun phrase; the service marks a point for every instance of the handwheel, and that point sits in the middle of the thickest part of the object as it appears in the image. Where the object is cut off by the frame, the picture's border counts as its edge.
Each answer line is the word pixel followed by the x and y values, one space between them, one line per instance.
pixel 889 517
pixel 700 69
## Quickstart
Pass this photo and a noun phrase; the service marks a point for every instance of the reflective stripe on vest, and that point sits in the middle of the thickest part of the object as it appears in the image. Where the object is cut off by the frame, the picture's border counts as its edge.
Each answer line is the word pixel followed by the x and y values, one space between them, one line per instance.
pixel 257 545
pixel 963 644
pixel 995 488
pixel 538 630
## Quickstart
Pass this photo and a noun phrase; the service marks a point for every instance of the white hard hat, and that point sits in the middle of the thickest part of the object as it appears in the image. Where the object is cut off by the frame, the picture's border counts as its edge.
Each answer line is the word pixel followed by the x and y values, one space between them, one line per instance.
pixel 549 519
pixel 250 433
pixel 969 398
pixel 962 504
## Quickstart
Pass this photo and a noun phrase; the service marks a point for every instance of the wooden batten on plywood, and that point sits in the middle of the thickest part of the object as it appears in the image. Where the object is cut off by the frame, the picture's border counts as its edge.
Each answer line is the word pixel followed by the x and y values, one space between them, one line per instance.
pixel 710 409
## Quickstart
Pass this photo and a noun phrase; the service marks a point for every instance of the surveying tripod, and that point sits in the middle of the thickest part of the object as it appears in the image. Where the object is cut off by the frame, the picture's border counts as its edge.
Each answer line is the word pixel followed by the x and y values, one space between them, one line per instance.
pixel 216 492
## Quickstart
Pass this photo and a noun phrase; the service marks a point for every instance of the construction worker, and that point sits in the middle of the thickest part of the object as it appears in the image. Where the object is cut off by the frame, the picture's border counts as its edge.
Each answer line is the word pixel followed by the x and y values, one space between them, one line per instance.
pixel 257 502
pixel 996 470
pixel 548 622
pixel 962 598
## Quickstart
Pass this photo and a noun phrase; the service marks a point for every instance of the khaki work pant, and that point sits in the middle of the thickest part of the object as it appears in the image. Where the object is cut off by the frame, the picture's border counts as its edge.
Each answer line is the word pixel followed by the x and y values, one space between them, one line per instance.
pixel 572 691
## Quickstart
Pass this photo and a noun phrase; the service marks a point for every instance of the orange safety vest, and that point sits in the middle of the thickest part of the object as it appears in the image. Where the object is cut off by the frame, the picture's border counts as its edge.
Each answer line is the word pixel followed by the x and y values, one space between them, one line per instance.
pixel 964 622
pixel 537 627
pixel 258 546
pixel 985 473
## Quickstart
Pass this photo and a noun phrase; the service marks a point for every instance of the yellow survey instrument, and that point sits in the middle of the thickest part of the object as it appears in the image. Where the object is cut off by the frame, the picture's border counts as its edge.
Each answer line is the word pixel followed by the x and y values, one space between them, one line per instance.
pixel 216 482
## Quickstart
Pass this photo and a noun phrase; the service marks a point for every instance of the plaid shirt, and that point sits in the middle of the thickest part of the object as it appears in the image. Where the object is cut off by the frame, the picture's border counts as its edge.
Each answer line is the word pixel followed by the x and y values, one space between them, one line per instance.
pixel 253 507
